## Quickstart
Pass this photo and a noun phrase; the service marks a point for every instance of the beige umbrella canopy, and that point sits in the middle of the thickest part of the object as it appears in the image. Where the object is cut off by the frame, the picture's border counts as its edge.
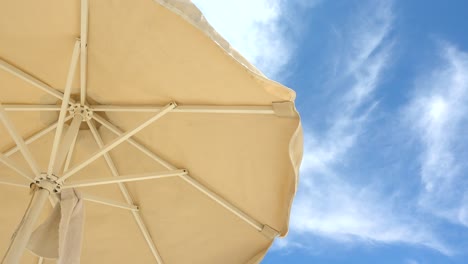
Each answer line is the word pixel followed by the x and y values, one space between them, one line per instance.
pixel 183 151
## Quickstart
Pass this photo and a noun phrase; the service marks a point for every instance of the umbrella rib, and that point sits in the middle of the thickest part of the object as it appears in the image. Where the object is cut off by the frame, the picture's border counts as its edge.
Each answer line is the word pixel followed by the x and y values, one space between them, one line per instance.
pixel 14 184
pixel 126 195
pixel 36 136
pixel 67 144
pixel 110 163
pixel 124 178
pixel 12 165
pixel 133 142
pixel 109 202
pixel 19 141
pixel 70 153
pixel 84 50
pixel 30 107
pixel 30 79
pixel 117 142
pixel 209 109
pixel 64 107
pixel 223 202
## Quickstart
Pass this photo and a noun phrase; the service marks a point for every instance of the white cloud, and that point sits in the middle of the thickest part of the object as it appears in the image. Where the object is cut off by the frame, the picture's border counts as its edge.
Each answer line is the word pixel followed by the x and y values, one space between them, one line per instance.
pixel 329 204
pixel 332 206
pixel 375 21
pixel 254 28
pixel 438 115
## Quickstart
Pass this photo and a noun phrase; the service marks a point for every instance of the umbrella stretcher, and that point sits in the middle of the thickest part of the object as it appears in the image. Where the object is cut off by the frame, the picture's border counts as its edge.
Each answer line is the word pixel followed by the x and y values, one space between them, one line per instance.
pixel 74 113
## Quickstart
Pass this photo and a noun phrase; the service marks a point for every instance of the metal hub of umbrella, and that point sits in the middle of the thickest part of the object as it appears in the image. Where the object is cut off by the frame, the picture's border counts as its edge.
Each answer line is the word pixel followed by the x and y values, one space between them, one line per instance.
pixel 182 150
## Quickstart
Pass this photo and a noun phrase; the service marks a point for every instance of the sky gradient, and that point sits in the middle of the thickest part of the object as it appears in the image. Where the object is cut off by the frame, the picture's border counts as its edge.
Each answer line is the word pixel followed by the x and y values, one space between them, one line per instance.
pixel 382 88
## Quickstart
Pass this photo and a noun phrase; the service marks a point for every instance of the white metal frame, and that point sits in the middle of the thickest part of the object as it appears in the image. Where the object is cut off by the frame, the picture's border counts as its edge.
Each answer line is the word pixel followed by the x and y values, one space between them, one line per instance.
pixel 14 184
pixel 84 196
pixel 63 145
pixel 63 109
pixel 200 109
pixel 109 202
pixel 204 109
pixel 127 196
pixel 36 136
pixel 122 137
pixel 67 145
pixel 19 141
pixel 12 165
pixel 116 142
pixel 26 107
pixel 205 190
pixel 126 178
pixel 29 79
pixel 84 50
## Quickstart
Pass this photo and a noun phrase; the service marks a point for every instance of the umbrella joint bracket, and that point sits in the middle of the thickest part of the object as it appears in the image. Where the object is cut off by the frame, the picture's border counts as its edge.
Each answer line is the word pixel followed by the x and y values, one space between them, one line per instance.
pixel 84 111
pixel 269 232
pixel 49 182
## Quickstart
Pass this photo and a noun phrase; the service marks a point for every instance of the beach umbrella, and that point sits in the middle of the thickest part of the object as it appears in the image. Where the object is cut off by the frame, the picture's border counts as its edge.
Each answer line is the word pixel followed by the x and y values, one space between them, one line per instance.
pixel 178 148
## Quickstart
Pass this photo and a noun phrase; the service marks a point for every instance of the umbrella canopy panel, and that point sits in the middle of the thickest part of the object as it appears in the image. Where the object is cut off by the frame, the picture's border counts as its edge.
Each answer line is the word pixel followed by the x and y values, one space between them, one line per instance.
pixel 235 131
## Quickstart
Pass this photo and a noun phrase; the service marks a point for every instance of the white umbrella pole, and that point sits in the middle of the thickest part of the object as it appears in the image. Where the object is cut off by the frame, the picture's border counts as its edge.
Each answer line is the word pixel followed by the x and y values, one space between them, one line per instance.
pixel 21 238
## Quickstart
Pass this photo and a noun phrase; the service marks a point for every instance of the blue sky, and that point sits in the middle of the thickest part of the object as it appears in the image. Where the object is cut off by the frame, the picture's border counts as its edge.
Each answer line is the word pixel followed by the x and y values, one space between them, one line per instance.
pixel 382 88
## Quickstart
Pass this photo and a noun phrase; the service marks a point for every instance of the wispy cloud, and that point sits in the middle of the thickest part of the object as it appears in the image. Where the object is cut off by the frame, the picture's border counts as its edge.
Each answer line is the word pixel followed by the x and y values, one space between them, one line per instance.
pixel 330 203
pixel 374 22
pixel 255 28
pixel 438 115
